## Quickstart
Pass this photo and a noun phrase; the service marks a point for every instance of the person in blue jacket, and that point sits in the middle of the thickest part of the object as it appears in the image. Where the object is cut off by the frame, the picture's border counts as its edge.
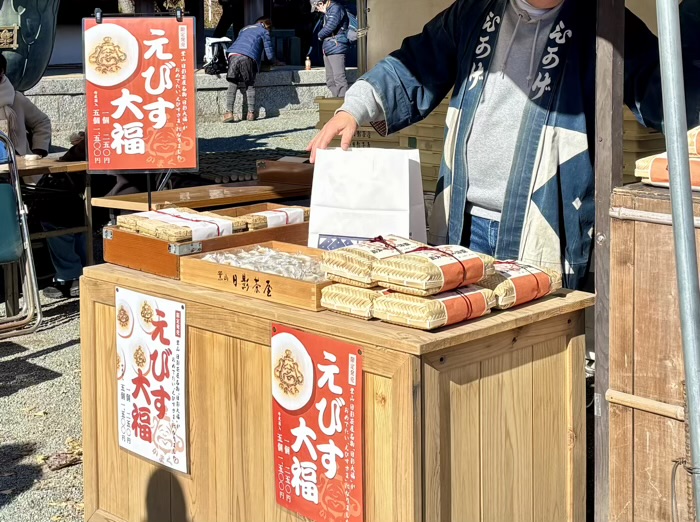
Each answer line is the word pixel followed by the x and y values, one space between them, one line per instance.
pixel 244 58
pixel 333 34
pixel 517 178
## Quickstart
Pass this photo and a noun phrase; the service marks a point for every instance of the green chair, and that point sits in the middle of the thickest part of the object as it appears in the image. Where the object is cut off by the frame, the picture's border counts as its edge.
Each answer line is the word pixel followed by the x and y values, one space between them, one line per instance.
pixel 16 248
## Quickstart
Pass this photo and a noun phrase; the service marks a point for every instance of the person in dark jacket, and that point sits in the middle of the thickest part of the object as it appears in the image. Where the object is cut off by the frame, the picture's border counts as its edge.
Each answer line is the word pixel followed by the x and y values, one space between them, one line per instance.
pixel 244 59
pixel 517 174
pixel 335 44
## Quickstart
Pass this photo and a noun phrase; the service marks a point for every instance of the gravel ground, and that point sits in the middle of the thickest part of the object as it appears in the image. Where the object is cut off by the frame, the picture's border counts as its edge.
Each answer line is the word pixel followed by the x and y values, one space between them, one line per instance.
pixel 40 373
pixel 40 405
pixel 291 130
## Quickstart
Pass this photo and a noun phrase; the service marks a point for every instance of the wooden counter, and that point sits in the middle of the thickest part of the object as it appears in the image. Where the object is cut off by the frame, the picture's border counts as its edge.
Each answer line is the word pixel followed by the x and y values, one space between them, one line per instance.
pixel 480 422
pixel 647 431
pixel 207 196
pixel 48 165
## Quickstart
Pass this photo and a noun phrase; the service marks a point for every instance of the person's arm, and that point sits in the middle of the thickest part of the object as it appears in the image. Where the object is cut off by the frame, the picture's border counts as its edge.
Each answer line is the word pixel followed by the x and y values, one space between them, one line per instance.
pixel 643 73
pixel 269 51
pixel 334 19
pixel 37 123
pixel 404 87
pixel 363 104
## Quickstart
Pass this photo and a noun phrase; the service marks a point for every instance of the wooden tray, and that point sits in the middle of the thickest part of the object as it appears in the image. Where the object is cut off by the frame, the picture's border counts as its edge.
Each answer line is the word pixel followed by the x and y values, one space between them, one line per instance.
pixel 160 257
pixel 258 285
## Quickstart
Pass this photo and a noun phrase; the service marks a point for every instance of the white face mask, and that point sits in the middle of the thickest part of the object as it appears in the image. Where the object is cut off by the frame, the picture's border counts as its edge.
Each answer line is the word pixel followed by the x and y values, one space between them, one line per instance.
pixel 534 12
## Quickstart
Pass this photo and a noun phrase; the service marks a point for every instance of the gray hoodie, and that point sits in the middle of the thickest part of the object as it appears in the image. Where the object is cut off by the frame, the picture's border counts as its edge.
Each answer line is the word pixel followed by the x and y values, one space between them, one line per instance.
pixel 491 146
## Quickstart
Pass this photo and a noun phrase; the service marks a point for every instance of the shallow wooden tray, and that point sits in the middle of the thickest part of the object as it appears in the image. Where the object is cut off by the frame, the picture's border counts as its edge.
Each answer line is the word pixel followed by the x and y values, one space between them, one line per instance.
pixel 258 285
pixel 160 257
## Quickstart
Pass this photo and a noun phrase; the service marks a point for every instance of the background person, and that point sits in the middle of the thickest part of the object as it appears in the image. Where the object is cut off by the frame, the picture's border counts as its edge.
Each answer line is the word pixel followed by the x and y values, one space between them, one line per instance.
pixel 244 59
pixel 335 44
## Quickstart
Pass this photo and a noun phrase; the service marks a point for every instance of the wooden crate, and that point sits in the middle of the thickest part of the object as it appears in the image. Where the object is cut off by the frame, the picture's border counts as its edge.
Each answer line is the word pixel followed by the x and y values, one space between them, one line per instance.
pixel 259 285
pixel 481 422
pixel 646 360
pixel 430 158
pixel 367 144
pixel 421 130
pixel 430 184
pixel 160 257
pixel 422 144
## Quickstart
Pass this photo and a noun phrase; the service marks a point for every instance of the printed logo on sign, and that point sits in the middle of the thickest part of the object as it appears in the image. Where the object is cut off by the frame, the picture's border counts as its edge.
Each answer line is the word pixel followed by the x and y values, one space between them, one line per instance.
pixel 178 324
pixel 182 31
pixel 352 373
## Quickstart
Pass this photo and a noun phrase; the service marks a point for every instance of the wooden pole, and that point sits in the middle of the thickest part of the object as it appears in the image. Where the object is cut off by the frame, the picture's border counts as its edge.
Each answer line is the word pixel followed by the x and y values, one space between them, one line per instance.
pixel 608 171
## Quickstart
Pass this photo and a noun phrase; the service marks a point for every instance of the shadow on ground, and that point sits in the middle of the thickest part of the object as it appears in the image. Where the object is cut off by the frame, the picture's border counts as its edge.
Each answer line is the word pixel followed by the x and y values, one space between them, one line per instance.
pixel 18 374
pixel 245 142
pixel 15 477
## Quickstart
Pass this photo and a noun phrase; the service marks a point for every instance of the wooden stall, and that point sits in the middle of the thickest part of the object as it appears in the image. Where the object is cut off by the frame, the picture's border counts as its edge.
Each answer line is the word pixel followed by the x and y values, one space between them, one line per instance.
pixel 480 422
pixel 647 431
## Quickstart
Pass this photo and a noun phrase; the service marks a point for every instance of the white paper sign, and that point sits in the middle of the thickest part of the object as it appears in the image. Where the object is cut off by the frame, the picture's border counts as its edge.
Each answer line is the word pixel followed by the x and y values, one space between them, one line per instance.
pixel 151 378
pixel 365 193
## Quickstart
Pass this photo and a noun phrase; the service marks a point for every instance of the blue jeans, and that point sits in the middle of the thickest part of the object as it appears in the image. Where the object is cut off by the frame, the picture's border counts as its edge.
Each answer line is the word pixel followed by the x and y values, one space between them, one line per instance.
pixel 68 254
pixel 484 235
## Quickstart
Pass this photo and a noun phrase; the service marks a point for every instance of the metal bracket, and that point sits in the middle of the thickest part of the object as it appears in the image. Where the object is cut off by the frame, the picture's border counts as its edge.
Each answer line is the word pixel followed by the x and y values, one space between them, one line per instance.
pixel 185 249
pixel 178 14
pixel 107 233
pixel 98 15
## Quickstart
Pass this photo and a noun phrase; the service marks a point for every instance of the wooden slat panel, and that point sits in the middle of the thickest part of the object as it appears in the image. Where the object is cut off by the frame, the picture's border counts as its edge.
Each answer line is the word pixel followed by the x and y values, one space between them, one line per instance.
pixel 549 429
pixel 378 463
pixel 227 443
pixel 658 356
pixel 657 441
pixel 406 445
pixel 436 478
pixel 199 488
pixel 88 373
pixel 149 490
pixel 621 363
pixel 452 443
pixel 506 435
pixel 464 403
pixel 112 468
pixel 576 422
pixel 255 425
pixel 610 44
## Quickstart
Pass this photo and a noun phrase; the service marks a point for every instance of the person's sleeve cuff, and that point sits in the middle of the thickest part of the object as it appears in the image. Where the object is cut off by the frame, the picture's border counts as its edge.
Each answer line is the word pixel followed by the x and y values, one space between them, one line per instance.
pixel 363 104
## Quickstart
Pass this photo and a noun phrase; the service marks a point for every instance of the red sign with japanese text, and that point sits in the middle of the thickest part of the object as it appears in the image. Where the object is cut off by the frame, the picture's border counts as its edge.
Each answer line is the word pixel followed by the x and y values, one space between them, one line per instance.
pixel 151 378
pixel 317 424
pixel 140 94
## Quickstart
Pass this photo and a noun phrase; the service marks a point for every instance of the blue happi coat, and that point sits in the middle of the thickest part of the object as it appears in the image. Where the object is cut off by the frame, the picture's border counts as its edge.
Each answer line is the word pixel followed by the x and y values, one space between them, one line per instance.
pixel 549 209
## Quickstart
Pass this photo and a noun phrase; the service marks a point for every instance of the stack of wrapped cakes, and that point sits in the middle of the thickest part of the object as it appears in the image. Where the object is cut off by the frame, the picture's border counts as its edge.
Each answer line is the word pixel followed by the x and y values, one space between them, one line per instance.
pixel 404 282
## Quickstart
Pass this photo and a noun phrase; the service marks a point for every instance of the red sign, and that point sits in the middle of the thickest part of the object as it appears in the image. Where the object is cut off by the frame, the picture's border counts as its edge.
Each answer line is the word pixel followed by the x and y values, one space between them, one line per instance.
pixel 140 94
pixel 317 423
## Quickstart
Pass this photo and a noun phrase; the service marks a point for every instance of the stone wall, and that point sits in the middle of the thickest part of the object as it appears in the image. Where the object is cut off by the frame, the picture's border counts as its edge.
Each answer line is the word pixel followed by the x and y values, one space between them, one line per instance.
pixel 62 97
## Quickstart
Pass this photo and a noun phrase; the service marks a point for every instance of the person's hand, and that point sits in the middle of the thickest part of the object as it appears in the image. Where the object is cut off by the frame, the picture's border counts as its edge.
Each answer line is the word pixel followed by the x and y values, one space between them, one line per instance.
pixel 343 125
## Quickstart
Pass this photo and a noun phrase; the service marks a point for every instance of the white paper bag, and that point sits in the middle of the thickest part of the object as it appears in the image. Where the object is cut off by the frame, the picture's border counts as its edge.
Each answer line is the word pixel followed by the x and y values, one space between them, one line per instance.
pixel 364 193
